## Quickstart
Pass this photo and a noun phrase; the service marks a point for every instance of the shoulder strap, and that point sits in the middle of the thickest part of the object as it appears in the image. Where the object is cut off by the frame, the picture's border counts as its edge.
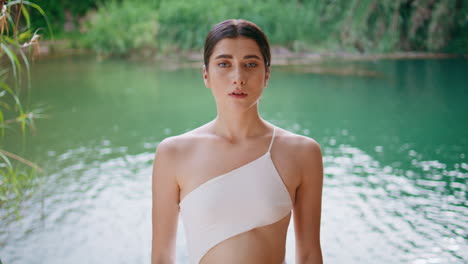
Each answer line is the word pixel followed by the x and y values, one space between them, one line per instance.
pixel 272 139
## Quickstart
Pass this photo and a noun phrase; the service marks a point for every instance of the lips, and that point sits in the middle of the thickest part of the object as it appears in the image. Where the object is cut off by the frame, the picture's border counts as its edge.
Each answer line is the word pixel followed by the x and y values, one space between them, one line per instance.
pixel 238 92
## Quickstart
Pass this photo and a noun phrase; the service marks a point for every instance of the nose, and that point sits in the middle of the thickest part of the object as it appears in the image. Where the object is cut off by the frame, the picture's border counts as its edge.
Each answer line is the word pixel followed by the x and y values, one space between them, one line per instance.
pixel 239 77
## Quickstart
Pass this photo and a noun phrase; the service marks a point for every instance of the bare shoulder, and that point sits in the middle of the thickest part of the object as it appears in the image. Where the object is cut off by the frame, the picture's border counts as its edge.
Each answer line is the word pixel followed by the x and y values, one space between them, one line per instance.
pixel 169 150
pixel 170 146
pixel 304 159
pixel 299 146
pixel 170 153
pixel 174 147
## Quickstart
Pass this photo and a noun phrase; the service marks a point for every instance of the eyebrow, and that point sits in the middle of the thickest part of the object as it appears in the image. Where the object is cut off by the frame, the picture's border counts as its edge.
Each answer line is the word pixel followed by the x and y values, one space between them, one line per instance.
pixel 227 56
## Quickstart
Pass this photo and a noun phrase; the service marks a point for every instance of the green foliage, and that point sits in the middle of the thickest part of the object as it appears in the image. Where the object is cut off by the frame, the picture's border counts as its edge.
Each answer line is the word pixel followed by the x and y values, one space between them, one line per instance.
pixel 354 25
pixel 17 41
pixel 16 184
pixel 350 25
pixel 63 11
pixel 184 24
pixel 58 9
pixel 118 28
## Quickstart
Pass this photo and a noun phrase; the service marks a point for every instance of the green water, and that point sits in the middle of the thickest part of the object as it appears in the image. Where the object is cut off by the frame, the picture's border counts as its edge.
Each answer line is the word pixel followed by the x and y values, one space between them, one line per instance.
pixel 395 152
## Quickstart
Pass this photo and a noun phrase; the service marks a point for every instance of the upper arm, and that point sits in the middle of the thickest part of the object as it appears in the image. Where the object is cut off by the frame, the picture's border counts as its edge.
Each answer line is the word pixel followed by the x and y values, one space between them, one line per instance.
pixel 165 208
pixel 308 205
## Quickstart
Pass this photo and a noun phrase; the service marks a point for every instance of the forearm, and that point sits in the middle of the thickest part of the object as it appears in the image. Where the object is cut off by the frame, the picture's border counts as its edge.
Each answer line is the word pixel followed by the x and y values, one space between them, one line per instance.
pixel 161 256
pixel 161 260
pixel 311 258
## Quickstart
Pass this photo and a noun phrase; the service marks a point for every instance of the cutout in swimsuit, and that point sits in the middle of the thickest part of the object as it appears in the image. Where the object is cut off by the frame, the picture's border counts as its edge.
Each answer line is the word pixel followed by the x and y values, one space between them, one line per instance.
pixel 240 200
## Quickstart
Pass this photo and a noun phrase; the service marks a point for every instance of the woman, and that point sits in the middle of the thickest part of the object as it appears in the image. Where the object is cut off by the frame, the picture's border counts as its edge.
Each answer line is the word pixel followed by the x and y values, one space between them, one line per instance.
pixel 236 179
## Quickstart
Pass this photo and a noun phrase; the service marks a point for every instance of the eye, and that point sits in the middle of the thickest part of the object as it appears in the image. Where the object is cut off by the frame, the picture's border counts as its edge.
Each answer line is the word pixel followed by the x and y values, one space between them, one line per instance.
pixel 251 64
pixel 223 64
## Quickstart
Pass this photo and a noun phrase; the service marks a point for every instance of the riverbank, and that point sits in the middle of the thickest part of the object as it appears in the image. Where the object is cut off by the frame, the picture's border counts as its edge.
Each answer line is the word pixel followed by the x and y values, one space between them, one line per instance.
pixel 280 55
pixel 282 58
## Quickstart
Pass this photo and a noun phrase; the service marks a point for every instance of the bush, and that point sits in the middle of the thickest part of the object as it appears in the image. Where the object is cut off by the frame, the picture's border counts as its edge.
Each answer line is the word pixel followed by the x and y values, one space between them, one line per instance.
pixel 350 25
pixel 186 23
pixel 56 11
pixel 119 28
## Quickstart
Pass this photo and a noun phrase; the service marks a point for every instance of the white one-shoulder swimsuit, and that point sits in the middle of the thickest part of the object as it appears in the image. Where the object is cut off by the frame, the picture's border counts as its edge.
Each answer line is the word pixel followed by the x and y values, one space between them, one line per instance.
pixel 240 200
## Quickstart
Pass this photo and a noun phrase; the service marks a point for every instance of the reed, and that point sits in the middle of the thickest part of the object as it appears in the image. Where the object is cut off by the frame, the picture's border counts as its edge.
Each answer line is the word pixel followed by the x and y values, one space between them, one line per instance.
pixel 17 43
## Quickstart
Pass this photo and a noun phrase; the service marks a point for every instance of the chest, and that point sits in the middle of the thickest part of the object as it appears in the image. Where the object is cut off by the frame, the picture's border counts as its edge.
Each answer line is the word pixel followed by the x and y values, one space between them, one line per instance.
pixel 244 168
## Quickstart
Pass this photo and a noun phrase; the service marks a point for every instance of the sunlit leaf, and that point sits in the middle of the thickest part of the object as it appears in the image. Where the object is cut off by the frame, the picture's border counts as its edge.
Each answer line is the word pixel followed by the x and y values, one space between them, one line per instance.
pixel 5 159
pixel 26 16
pixel 13 59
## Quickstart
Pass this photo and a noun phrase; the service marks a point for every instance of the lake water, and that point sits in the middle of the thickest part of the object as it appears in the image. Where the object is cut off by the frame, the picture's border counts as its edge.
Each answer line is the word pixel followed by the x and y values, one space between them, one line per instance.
pixel 394 137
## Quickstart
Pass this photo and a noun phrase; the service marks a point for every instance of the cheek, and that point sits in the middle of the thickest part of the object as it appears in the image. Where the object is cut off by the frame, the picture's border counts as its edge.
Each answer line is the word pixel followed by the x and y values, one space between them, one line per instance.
pixel 218 78
pixel 259 79
pixel 217 84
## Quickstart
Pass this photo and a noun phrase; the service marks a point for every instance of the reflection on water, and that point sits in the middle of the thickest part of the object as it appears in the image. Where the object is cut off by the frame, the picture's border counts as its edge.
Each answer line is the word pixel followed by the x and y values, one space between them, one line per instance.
pixel 383 214
pixel 394 159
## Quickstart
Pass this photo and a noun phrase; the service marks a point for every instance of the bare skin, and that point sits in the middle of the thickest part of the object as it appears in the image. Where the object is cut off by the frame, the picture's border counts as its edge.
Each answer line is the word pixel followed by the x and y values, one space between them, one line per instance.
pixel 237 136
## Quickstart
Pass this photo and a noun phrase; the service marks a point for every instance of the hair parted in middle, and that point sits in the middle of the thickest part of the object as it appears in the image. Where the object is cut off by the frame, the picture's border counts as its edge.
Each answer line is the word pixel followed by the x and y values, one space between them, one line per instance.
pixel 233 28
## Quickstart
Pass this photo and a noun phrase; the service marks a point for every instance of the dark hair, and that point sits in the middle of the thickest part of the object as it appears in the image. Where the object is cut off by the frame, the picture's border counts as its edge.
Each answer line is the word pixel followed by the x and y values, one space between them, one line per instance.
pixel 233 28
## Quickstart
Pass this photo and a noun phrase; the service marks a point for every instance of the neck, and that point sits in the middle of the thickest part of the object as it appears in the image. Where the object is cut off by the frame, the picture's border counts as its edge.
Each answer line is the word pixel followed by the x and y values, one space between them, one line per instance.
pixel 239 125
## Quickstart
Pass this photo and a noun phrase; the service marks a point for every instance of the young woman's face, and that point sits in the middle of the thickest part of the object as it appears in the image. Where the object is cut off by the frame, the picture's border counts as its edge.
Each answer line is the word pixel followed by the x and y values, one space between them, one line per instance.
pixel 236 66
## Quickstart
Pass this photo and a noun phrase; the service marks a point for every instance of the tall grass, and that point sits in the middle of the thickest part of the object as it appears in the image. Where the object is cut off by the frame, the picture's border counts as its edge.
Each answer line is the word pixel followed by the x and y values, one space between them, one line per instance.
pixel 16 182
pixel 17 42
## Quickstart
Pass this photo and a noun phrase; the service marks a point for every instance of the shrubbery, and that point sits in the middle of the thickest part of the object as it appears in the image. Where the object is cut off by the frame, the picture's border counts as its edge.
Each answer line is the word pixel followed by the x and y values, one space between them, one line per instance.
pixel 347 25
pixel 118 28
